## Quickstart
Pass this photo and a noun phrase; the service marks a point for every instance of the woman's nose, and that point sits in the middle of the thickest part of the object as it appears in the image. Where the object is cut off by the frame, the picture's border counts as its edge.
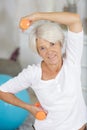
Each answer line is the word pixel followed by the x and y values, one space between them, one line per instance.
pixel 49 51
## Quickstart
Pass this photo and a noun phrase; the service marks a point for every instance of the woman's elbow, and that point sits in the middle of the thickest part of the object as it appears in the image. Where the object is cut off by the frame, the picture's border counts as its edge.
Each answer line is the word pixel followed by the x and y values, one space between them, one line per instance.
pixel 78 19
pixel 2 95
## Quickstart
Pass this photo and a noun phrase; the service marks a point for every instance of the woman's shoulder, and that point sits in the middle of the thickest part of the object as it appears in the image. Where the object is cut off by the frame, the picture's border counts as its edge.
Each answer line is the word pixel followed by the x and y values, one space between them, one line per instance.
pixel 75 34
pixel 34 67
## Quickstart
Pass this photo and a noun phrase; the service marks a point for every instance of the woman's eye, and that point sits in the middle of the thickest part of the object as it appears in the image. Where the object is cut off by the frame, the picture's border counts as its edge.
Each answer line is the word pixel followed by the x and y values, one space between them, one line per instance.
pixel 52 44
pixel 42 48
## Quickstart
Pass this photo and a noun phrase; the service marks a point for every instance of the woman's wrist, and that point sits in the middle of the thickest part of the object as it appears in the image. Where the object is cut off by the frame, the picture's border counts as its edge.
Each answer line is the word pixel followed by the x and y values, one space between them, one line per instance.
pixel 25 106
pixel 42 16
pixel 28 107
pixel 38 16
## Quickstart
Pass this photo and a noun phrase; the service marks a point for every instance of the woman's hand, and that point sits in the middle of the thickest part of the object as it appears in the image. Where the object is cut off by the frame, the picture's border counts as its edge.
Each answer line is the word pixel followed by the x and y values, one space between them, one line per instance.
pixel 26 21
pixel 34 110
pixel 32 17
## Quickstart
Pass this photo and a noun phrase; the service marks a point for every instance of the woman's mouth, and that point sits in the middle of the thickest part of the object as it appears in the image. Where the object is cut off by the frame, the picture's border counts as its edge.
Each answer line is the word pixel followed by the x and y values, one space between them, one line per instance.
pixel 53 57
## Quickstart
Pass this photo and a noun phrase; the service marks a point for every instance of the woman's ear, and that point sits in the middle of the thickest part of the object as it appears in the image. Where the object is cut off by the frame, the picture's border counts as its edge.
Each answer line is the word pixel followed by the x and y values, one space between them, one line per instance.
pixel 61 45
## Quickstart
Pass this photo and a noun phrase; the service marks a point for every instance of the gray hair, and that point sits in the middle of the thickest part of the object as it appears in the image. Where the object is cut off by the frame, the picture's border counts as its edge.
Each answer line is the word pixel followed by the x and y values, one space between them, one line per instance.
pixel 49 31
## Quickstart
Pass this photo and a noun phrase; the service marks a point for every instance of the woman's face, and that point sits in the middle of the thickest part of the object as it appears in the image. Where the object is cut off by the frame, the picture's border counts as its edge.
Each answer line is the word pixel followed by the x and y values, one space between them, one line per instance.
pixel 50 52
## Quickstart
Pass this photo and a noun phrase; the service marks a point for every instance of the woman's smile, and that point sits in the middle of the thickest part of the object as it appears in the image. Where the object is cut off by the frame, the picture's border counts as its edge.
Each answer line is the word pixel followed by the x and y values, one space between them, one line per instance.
pixel 53 58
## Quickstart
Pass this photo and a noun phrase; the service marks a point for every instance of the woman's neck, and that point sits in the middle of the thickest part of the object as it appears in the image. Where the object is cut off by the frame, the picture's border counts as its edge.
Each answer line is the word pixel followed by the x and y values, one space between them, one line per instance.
pixel 50 71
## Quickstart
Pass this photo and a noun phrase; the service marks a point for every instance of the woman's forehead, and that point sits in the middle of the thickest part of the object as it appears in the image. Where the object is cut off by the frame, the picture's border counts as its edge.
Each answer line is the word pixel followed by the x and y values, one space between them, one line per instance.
pixel 41 42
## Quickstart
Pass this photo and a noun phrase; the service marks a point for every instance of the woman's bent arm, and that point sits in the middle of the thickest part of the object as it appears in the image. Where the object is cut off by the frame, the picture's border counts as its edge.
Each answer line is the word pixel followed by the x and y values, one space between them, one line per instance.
pixel 12 99
pixel 69 19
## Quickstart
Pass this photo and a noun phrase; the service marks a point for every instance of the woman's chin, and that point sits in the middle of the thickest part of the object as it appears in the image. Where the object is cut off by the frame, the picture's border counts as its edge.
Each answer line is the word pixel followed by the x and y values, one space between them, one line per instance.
pixel 53 62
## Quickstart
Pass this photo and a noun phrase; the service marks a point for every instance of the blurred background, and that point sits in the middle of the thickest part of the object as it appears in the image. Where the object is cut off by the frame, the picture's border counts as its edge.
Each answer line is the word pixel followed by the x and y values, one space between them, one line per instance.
pixel 14 49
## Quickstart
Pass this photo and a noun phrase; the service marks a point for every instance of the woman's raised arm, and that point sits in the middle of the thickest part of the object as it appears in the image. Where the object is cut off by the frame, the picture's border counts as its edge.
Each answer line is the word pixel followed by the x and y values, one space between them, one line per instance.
pixel 71 20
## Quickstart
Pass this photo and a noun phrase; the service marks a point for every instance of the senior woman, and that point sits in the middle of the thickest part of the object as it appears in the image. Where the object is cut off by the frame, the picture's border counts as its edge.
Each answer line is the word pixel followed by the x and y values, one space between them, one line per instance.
pixel 56 80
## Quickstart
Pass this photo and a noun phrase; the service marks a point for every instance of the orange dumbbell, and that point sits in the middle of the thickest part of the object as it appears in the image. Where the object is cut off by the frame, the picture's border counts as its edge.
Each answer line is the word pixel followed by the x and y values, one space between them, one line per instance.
pixel 41 115
pixel 24 24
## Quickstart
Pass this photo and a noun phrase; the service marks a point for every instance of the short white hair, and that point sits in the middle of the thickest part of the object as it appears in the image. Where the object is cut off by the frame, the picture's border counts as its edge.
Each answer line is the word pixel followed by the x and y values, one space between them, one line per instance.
pixel 49 31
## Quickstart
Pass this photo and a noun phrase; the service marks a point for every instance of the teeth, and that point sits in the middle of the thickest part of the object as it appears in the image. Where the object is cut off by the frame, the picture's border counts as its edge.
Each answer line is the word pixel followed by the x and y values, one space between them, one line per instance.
pixel 51 57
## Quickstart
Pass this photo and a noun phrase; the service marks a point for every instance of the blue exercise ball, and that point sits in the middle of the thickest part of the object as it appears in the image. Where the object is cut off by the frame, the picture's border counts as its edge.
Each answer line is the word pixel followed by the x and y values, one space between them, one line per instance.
pixel 11 117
